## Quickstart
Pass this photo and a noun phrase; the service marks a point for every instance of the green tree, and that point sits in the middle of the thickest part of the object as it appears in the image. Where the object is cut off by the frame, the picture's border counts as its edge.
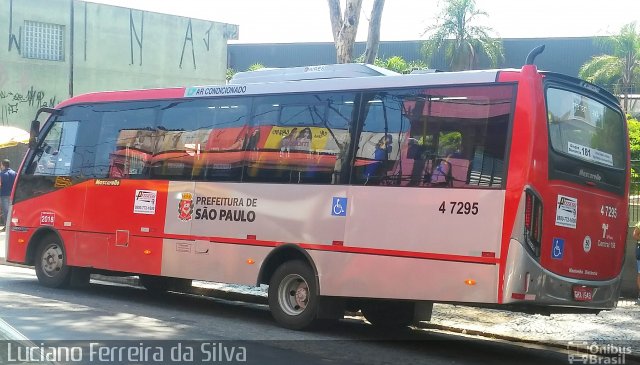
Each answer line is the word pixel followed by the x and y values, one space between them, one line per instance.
pixel 463 40
pixel 344 26
pixel 397 64
pixel 634 145
pixel 256 66
pixel 417 65
pixel 634 137
pixel 619 71
pixel 394 63
pixel 230 73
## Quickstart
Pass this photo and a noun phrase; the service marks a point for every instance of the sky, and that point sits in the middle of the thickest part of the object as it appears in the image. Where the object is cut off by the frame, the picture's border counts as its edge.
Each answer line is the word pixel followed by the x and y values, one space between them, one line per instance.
pixel 288 21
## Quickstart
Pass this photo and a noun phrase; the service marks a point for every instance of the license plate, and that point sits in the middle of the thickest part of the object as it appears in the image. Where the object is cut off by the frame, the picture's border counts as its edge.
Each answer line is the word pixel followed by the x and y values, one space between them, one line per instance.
pixel 582 293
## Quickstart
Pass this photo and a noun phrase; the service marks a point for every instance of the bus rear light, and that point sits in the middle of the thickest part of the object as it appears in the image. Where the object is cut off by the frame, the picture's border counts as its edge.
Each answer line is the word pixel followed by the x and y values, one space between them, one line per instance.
pixel 528 210
pixel 533 221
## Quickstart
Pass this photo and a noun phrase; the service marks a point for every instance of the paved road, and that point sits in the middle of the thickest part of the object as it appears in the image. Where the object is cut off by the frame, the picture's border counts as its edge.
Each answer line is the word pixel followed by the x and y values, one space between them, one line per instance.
pixel 107 312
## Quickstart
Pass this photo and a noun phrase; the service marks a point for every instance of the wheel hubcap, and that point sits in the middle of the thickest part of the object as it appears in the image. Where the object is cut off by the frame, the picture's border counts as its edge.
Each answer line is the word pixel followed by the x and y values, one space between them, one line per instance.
pixel 293 294
pixel 52 260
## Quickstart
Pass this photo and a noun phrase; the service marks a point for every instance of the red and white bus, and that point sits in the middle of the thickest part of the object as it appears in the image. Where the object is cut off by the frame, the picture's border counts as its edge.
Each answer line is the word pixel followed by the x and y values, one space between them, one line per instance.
pixel 383 193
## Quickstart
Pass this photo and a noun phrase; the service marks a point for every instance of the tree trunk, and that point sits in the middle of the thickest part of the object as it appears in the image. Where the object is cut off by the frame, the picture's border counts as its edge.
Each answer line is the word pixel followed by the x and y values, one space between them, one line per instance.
pixel 373 37
pixel 344 27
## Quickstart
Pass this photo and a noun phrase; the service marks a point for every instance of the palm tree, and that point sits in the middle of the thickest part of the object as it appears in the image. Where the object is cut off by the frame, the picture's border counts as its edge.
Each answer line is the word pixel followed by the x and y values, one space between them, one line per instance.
pixel 462 41
pixel 620 71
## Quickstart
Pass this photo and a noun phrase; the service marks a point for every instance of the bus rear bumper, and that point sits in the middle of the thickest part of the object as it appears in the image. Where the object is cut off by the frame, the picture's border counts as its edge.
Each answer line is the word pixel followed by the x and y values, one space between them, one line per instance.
pixel 526 282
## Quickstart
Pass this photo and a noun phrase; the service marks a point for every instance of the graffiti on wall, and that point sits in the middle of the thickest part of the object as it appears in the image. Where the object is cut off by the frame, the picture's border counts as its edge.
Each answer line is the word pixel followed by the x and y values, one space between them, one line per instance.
pixel 14 102
pixel 208 39
pixel 13 41
pixel 188 37
pixel 134 36
pixel 136 39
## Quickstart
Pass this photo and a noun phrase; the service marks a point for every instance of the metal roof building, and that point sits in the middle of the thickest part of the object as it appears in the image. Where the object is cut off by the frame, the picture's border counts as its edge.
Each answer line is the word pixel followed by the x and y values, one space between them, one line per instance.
pixel 564 55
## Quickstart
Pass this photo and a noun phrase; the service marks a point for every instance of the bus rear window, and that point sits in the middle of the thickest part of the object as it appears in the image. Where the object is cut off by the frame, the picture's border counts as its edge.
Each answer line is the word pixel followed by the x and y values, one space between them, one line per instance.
pixel 584 128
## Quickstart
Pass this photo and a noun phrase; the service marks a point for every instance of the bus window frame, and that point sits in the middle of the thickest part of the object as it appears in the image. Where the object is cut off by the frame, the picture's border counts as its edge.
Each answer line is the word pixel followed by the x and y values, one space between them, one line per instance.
pixel 556 157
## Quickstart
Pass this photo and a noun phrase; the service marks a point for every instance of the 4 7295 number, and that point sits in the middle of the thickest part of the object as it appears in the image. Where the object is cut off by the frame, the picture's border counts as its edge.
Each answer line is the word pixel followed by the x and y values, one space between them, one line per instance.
pixel 464 208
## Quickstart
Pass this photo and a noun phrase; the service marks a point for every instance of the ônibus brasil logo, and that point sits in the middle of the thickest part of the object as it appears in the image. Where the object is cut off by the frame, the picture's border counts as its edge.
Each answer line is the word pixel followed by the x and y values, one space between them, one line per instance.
pixel 185 207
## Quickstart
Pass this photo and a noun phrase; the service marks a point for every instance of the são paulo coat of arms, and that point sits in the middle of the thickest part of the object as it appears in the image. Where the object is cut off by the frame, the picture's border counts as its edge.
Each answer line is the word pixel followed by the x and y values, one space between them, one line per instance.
pixel 185 207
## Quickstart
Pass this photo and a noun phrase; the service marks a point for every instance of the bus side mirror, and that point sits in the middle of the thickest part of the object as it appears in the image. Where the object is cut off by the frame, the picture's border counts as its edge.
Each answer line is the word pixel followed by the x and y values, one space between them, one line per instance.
pixel 33 134
pixel 35 125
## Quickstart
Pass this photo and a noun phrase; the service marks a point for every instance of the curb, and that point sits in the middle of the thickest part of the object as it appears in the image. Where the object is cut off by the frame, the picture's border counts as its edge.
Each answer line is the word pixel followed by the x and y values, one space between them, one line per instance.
pixel 584 350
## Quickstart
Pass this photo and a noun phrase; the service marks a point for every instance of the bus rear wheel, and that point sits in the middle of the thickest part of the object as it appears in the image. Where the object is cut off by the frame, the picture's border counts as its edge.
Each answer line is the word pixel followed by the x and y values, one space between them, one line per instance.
pixel 51 263
pixel 389 314
pixel 293 295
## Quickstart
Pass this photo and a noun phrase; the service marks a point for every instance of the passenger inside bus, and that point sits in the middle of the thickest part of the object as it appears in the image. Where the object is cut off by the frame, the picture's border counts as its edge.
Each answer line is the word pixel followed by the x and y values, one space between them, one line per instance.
pixel 374 171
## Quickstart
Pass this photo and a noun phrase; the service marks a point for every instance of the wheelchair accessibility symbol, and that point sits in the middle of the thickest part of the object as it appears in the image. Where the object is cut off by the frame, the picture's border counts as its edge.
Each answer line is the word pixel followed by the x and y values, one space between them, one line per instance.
pixel 339 206
pixel 557 249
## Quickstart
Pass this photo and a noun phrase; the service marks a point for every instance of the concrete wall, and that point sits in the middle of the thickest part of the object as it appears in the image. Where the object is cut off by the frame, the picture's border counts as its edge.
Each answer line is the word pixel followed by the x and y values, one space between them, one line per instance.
pixel 27 84
pixel 114 48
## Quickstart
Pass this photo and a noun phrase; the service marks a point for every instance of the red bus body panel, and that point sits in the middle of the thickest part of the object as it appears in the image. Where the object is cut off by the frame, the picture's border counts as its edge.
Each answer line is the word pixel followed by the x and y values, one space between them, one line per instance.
pixel 528 166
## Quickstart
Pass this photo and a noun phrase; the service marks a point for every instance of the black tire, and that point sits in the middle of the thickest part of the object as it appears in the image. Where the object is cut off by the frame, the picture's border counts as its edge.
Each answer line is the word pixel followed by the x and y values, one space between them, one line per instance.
pixel 51 263
pixel 293 295
pixel 387 314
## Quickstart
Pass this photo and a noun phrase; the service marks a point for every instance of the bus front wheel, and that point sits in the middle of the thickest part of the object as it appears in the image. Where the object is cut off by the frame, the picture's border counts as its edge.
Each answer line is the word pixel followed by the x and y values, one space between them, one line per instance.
pixel 293 295
pixel 51 263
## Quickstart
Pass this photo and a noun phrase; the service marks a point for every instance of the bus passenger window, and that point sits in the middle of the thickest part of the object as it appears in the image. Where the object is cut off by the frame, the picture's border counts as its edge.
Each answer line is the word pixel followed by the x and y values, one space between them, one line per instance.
pixel 222 154
pixel 127 138
pixel 300 140
pixel 440 137
pixel 380 139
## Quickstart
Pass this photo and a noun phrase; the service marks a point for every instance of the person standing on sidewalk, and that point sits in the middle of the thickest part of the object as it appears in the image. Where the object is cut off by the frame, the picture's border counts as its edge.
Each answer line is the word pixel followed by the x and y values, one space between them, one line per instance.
pixel 7 178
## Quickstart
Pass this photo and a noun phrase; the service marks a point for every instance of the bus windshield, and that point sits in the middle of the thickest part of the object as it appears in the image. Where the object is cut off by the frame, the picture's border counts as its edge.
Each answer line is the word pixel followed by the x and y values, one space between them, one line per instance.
pixel 586 129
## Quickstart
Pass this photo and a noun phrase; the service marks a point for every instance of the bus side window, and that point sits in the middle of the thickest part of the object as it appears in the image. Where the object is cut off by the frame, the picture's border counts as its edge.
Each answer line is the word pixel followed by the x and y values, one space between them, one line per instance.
pixel 56 153
pixel 302 138
pixel 380 140
pixel 127 136
pixel 222 155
